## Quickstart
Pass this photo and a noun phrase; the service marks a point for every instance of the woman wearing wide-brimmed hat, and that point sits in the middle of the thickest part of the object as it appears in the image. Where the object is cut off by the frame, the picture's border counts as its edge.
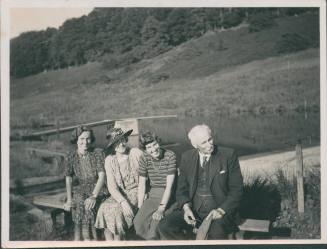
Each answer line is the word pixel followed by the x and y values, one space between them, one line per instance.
pixel 85 164
pixel 116 214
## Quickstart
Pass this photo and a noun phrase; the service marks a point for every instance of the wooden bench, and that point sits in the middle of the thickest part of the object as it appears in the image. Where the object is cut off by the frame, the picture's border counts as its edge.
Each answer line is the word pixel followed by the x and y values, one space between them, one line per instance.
pixel 54 203
pixel 252 225
pixel 33 185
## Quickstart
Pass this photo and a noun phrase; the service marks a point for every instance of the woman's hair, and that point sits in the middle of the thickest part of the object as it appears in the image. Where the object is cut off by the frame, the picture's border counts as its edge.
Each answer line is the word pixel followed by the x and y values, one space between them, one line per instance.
pixel 78 131
pixel 147 138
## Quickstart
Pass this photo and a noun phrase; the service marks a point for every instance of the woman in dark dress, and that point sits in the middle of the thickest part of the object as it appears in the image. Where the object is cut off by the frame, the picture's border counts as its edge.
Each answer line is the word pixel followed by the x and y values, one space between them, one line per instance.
pixel 86 164
pixel 159 165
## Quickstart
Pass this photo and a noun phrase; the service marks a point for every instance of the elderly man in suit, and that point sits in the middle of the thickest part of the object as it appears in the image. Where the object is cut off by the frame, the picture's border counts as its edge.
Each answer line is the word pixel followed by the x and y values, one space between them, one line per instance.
pixel 209 187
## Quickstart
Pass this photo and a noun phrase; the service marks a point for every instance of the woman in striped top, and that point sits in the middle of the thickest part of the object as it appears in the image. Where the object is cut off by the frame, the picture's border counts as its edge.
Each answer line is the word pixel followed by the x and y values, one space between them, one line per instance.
pixel 159 166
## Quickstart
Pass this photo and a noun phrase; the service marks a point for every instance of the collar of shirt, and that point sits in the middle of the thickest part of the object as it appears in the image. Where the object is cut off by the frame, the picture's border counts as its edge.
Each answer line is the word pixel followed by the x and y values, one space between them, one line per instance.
pixel 202 156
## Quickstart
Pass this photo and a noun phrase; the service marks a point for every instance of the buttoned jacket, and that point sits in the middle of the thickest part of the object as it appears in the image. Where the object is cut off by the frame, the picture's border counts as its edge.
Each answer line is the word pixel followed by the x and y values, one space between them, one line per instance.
pixel 225 178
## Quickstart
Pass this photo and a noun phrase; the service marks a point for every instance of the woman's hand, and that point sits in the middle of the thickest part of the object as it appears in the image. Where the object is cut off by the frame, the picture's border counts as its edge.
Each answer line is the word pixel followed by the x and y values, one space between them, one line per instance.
pixel 89 203
pixel 127 210
pixel 159 214
pixel 68 205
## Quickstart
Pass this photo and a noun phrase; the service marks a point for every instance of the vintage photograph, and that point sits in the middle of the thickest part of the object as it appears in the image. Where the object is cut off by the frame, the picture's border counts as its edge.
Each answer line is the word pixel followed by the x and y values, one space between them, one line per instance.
pixel 164 124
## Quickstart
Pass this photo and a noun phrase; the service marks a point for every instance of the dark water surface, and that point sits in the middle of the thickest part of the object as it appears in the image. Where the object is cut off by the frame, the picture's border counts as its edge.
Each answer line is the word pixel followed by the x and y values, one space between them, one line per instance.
pixel 249 134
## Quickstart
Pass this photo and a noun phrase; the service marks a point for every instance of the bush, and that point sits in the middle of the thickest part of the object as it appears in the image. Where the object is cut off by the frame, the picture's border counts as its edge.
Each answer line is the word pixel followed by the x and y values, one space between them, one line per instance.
pixel 312 188
pixel 113 61
pixel 292 43
pixel 233 19
pixel 261 200
pixel 260 22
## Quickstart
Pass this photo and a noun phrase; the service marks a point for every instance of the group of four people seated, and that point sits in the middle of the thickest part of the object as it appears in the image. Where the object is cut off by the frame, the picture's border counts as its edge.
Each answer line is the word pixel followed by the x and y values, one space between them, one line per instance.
pixel 112 192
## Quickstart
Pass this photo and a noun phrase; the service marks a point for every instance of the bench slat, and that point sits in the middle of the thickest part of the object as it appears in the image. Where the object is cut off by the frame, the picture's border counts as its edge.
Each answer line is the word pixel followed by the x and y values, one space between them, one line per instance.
pixel 255 225
pixel 46 152
pixel 52 201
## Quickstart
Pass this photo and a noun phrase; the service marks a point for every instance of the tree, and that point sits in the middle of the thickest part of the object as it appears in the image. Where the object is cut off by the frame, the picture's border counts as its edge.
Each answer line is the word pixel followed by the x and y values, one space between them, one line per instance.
pixel 150 28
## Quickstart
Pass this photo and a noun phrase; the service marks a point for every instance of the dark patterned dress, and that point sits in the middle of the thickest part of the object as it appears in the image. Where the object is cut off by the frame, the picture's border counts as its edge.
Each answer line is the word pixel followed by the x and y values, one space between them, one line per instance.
pixel 85 169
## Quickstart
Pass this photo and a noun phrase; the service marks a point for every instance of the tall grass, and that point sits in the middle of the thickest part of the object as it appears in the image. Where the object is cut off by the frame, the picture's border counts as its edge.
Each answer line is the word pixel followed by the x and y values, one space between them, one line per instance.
pixel 261 200
pixel 24 165
pixel 302 226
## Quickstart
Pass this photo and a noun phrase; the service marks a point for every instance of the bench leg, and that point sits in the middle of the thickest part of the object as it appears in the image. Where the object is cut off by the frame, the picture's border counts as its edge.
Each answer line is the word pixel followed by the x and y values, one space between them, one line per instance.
pixel 232 236
pixel 54 213
pixel 239 235
pixel 68 220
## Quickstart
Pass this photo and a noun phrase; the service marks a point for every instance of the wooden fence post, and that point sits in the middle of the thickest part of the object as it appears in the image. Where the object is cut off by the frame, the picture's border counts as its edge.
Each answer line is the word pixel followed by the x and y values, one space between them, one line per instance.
pixel 299 178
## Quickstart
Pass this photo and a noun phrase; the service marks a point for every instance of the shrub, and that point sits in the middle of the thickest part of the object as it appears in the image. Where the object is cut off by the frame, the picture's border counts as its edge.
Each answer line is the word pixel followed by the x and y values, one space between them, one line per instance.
pixel 293 42
pixel 261 200
pixel 233 19
pixel 116 60
pixel 312 187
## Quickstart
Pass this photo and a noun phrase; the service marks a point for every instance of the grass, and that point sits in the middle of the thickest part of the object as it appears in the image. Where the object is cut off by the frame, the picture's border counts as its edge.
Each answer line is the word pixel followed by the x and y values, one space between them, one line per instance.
pixel 196 79
pixel 286 80
pixel 247 75
pixel 308 225
pixel 24 225
pixel 262 199
pixel 277 202
pixel 23 165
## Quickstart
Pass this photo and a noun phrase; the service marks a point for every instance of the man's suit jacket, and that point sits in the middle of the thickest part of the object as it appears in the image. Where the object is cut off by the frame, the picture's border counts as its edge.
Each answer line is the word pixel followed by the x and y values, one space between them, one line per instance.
pixel 225 179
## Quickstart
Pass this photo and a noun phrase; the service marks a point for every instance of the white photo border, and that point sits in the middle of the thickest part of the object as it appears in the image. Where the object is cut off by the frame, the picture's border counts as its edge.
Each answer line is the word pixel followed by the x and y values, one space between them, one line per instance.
pixel 6 5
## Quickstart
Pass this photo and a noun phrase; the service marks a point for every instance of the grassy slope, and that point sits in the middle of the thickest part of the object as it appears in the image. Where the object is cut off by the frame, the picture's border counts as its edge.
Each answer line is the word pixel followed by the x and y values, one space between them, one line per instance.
pixel 246 74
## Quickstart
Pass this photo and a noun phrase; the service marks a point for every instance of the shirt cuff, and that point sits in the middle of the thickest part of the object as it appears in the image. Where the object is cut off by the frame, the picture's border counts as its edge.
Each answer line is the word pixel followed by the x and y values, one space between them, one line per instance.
pixel 221 211
pixel 187 204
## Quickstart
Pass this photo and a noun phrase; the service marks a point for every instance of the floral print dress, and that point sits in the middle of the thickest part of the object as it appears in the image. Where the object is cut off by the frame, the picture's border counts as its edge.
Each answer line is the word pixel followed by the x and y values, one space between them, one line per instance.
pixel 85 169
pixel 110 214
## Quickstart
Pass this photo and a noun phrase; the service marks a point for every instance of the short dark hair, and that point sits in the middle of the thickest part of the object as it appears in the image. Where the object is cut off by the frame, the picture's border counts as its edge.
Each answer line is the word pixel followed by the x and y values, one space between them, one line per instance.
pixel 147 138
pixel 78 131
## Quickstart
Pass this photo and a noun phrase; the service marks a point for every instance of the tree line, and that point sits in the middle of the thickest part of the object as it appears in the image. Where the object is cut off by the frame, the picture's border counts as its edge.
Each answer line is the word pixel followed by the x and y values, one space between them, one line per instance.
pixel 120 36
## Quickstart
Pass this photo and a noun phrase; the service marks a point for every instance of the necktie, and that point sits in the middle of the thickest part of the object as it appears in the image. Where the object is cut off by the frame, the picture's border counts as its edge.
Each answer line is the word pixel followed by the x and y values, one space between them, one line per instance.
pixel 204 161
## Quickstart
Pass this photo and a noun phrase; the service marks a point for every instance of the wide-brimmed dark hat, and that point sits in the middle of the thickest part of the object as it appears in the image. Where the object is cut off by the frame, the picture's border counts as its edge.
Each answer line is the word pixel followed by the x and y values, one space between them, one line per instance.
pixel 115 134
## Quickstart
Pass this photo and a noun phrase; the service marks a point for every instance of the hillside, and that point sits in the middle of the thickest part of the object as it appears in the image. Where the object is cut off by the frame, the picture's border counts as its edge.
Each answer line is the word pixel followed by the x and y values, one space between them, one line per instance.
pixel 231 71
pixel 121 36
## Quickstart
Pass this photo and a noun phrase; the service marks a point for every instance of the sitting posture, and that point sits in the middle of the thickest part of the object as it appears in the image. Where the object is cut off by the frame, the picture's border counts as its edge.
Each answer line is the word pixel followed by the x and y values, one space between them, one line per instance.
pixel 159 165
pixel 116 214
pixel 85 164
pixel 209 188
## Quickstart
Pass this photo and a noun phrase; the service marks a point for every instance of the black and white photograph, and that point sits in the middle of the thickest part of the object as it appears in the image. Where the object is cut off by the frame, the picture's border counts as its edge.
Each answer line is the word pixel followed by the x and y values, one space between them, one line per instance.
pixel 163 124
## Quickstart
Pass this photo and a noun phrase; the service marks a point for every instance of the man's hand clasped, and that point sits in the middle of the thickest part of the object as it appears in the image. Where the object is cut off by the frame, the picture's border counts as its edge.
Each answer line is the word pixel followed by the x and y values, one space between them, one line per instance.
pixel 215 214
pixel 188 215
